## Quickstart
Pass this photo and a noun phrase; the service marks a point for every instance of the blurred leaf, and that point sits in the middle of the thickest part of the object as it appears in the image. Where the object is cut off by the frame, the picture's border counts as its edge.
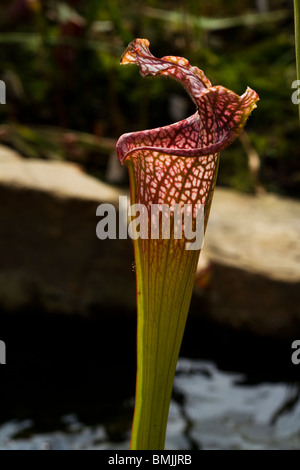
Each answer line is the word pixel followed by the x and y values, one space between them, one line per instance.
pixel 56 144
pixel 214 24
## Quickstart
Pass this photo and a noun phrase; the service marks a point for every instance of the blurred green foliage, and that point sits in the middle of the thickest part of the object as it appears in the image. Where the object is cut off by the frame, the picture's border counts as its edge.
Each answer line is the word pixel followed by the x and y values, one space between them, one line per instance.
pixel 60 63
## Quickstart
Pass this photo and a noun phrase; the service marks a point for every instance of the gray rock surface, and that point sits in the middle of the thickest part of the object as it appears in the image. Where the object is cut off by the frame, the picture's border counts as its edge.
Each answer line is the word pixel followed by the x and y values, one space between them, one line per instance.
pixel 50 256
pixel 8 155
pixel 252 248
pixel 260 234
pixel 249 271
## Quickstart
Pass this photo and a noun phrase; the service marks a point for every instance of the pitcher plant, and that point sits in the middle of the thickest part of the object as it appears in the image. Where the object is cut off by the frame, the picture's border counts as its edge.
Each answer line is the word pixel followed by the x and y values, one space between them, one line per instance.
pixel 171 167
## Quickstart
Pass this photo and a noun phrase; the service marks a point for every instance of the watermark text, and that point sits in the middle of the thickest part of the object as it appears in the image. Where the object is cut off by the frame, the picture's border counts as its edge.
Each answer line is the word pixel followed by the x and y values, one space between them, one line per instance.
pixel 2 92
pixel 296 95
pixel 296 354
pixel 159 221
pixel 2 352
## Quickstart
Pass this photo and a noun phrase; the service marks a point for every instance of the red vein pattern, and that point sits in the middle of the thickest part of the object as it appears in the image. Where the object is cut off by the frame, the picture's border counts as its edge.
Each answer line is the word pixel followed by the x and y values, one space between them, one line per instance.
pixel 177 163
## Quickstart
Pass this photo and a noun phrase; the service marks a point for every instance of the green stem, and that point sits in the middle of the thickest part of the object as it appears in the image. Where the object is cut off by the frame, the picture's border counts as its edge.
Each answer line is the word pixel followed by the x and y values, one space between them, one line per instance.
pixel 297 39
pixel 165 274
pixel 164 289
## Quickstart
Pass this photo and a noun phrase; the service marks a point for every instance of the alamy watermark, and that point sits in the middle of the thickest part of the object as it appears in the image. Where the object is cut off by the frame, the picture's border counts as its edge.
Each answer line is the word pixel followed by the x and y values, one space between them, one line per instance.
pixel 2 352
pixel 2 92
pixel 296 95
pixel 159 222
pixel 296 354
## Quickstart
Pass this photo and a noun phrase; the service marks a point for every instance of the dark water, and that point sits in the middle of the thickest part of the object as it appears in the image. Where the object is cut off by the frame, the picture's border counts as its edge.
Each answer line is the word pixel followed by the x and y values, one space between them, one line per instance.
pixel 69 384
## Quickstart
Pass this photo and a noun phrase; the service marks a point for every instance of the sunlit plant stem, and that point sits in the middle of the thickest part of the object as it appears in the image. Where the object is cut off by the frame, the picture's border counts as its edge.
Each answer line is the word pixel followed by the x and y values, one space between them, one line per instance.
pixel 175 165
pixel 297 40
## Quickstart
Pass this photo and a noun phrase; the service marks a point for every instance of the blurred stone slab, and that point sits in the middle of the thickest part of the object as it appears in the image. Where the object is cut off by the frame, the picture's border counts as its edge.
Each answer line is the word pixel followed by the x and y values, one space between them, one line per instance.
pixel 8 155
pixel 51 258
pixel 252 252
